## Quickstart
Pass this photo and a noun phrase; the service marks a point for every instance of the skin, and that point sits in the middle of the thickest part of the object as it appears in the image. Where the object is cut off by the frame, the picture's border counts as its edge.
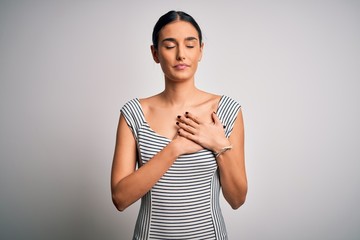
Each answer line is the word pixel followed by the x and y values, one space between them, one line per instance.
pixel 186 116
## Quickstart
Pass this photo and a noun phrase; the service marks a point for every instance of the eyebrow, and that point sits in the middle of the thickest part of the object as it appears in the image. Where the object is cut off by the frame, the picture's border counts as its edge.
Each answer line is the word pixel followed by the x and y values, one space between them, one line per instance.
pixel 174 40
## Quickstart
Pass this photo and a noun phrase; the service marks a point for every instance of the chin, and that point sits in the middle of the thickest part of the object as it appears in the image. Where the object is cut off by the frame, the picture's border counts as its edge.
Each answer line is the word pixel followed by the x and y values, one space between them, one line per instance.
pixel 180 77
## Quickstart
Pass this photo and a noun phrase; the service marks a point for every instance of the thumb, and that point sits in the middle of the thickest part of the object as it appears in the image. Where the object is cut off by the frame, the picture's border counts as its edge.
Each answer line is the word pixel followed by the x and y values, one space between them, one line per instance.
pixel 216 119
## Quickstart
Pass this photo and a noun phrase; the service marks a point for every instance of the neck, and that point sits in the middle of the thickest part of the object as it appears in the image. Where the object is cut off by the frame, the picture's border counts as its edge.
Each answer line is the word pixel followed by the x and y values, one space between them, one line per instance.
pixel 180 94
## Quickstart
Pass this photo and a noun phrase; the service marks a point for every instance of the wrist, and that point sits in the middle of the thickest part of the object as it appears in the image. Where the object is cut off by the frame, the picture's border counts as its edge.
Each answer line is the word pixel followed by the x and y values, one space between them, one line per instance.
pixel 222 150
pixel 174 149
pixel 221 145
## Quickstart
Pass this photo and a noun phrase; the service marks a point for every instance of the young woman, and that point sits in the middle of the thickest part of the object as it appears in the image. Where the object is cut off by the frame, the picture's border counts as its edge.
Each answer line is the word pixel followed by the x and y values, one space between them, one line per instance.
pixel 188 144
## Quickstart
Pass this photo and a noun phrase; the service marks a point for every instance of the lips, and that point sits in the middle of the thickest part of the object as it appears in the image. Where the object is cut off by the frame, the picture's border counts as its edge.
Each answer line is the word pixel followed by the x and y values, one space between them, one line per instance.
pixel 181 66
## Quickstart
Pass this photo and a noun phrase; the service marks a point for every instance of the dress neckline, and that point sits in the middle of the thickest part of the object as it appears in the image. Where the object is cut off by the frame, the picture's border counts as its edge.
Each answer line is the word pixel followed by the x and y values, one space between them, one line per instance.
pixel 156 133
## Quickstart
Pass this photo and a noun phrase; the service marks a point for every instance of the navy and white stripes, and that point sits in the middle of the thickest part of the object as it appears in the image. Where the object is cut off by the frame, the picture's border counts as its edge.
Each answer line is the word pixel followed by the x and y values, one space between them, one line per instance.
pixel 184 203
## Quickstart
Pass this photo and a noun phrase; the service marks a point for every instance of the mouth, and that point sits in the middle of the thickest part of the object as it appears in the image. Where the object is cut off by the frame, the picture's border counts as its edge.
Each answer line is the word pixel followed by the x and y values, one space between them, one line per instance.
pixel 181 66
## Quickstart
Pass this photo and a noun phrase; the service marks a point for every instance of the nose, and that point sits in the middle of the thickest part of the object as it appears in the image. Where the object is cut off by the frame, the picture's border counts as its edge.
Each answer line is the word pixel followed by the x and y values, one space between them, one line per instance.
pixel 180 53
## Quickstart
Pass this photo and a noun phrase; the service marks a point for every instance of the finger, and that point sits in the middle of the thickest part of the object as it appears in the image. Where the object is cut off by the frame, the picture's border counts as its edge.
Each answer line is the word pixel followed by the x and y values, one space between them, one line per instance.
pixel 192 117
pixel 186 134
pixel 186 127
pixel 188 121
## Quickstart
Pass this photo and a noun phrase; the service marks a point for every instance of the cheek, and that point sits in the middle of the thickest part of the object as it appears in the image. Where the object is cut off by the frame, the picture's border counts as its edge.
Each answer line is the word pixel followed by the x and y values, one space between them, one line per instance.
pixel 164 57
pixel 197 58
pixel 164 63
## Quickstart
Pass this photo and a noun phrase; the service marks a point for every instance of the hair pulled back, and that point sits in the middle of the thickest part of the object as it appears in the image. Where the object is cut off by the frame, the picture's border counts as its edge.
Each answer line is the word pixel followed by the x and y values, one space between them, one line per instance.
pixel 169 17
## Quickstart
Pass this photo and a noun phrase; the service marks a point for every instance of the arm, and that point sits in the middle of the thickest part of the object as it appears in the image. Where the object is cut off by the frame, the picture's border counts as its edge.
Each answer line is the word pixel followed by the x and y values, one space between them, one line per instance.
pixel 231 163
pixel 129 184
pixel 232 167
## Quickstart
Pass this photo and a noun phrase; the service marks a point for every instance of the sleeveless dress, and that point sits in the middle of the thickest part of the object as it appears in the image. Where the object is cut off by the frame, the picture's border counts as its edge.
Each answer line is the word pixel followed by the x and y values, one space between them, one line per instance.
pixel 184 203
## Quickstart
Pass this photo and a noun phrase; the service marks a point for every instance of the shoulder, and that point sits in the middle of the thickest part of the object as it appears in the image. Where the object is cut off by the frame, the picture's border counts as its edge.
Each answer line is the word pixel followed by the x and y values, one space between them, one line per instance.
pixel 132 114
pixel 229 101
pixel 228 108
pixel 130 104
pixel 148 102
pixel 149 99
pixel 209 99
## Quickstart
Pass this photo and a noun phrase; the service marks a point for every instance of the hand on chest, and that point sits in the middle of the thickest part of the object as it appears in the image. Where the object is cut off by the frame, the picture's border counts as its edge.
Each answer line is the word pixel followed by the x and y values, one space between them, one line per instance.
pixel 163 120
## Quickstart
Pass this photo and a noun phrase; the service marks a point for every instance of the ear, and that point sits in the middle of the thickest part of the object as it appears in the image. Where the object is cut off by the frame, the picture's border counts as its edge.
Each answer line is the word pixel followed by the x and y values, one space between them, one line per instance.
pixel 154 53
pixel 201 51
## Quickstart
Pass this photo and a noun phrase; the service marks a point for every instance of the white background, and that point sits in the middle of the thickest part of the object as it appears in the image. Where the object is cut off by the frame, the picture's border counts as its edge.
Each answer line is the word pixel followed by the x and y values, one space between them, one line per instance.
pixel 67 67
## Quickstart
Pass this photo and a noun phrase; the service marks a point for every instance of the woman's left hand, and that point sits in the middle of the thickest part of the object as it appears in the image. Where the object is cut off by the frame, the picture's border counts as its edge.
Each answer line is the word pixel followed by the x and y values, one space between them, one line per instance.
pixel 209 135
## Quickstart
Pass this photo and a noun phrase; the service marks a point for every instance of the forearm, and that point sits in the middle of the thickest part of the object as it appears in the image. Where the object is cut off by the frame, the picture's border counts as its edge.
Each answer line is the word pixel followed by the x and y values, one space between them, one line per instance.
pixel 134 186
pixel 232 178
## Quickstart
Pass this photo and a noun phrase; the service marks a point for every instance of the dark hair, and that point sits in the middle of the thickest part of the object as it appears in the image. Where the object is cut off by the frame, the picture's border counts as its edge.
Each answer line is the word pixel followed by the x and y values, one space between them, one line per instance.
pixel 169 17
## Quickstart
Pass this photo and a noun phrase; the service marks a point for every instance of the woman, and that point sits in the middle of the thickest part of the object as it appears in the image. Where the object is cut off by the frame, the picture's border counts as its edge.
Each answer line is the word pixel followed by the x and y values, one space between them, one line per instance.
pixel 186 142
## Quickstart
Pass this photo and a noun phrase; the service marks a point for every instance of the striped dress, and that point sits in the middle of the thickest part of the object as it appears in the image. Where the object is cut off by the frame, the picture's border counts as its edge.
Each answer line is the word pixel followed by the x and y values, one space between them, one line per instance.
pixel 184 203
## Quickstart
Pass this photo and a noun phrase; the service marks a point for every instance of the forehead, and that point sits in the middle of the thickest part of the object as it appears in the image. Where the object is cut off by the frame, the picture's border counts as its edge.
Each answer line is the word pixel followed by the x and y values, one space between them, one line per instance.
pixel 178 30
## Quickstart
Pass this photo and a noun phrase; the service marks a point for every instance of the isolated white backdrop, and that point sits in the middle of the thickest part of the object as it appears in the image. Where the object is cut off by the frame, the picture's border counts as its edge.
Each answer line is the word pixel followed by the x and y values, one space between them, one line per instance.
pixel 67 67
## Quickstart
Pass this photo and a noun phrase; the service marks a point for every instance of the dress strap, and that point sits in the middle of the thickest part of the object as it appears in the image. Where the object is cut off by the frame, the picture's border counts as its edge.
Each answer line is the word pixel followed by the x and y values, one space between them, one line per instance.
pixel 227 112
pixel 133 115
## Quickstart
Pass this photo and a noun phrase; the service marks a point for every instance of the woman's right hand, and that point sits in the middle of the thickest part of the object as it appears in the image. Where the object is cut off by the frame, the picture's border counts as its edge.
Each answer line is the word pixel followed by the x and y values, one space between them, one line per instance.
pixel 185 146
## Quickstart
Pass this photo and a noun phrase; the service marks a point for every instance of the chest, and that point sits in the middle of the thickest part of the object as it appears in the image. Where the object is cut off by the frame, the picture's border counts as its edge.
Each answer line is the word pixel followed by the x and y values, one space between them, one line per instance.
pixel 163 121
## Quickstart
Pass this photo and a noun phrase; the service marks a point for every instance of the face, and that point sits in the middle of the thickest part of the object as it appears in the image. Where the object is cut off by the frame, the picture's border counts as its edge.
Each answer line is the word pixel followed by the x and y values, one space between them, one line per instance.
pixel 179 51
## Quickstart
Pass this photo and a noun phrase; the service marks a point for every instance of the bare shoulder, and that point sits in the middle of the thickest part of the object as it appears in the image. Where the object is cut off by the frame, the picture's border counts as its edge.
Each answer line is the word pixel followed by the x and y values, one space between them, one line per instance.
pixel 210 100
pixel 148 102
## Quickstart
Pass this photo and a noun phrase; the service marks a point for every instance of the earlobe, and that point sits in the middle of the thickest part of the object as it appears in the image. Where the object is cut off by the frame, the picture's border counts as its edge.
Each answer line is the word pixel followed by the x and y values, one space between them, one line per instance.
pixel 154 53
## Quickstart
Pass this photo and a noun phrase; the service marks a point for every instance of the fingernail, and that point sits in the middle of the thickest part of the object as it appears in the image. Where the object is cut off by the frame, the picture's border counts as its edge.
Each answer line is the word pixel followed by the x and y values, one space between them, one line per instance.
pixel 224 126
pixel 186 112
pixel 177 123
pixel 214 112
pixel 178 116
